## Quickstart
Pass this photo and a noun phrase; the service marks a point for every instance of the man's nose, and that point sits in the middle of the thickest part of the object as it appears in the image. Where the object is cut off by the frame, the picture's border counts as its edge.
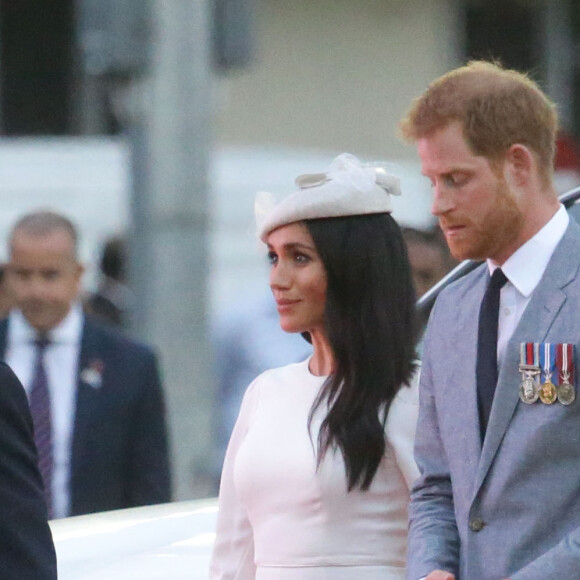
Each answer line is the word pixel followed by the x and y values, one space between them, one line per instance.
pixel 443 200
pixel 36 287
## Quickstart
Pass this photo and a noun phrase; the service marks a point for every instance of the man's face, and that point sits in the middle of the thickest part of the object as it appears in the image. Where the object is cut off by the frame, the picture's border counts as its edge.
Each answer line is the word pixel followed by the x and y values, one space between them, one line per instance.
pixel 44 277
pixel 428 265
pixel 479 215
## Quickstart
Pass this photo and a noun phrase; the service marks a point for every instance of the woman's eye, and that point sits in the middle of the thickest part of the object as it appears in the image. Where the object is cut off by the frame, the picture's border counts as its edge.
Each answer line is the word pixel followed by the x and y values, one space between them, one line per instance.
pixel 301 259
pixel 272 257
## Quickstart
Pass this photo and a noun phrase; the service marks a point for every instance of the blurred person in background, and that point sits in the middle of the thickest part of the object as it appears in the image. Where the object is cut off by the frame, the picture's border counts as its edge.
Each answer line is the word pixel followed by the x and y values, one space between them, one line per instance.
pixel 430 261
pixel 95 396
pixel 247 342
pixel 317 473
pixel 111 302
pixel 429 257
pixel 5 296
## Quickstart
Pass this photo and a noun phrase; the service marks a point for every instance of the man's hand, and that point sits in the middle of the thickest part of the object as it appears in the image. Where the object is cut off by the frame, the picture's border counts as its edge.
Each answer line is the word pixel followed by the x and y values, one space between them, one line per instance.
pixel 440 575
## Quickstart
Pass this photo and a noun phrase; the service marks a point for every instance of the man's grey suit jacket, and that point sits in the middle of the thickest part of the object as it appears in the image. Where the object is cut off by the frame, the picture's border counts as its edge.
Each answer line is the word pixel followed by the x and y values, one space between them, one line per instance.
pixel 511 508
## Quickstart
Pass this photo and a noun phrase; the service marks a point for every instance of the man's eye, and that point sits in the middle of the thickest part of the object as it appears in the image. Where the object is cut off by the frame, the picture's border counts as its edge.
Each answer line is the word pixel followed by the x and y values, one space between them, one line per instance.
pixel 455 180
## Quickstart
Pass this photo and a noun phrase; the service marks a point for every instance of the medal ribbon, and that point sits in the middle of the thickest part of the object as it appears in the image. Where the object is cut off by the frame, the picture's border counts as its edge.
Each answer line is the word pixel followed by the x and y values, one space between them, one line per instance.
pixel 562 362
pixel 548 357
pixel 529 354
pixel 565 362
pixel 569 347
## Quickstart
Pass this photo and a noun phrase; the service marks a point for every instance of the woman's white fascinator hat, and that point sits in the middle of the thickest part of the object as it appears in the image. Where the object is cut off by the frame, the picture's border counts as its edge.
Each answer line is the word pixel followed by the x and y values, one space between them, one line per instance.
pixel 348 187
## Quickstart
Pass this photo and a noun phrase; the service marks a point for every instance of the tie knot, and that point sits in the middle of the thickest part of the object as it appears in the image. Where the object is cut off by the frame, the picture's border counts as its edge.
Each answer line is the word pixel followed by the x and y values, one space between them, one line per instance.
pixel 498 279
pixel 41 342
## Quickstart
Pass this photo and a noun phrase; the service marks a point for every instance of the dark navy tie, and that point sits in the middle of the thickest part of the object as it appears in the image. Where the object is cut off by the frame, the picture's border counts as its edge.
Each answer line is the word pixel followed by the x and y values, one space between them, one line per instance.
pixel 40 410
pixel 486 368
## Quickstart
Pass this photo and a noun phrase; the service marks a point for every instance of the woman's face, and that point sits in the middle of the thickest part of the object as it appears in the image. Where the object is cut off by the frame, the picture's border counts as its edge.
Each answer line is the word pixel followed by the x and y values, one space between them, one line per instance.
pixel 297 278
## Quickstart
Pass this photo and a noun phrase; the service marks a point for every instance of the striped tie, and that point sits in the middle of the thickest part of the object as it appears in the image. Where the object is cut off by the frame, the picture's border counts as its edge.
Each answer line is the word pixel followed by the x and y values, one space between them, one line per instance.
pixel 40 411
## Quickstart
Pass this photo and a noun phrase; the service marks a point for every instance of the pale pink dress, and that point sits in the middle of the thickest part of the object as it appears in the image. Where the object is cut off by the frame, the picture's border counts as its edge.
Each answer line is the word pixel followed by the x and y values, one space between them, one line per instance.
pixel 281 519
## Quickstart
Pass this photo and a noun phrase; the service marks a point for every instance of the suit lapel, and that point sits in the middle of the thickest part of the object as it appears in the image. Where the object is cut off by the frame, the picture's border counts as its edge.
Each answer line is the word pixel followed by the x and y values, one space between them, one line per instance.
pixel 3 337
pixel 88 394
pixel 539 316
pixel 467 351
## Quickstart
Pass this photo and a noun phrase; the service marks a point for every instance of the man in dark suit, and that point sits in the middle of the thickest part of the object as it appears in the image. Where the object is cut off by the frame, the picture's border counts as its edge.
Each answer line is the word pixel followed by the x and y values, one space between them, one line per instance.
pixel 26 548
pixel 102 443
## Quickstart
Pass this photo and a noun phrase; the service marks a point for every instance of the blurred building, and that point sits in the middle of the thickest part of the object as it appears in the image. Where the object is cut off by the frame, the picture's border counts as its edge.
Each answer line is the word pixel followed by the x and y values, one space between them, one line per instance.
pixel 327 74
pixel 292 83
pixel 298 79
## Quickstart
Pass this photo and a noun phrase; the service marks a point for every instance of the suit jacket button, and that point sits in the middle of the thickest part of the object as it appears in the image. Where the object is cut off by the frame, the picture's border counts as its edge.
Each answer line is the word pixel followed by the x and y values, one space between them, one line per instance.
pixel 476 524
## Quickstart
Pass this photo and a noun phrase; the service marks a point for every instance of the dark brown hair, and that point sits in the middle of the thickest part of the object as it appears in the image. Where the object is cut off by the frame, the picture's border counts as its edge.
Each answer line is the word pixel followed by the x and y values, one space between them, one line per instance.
pixel 370 324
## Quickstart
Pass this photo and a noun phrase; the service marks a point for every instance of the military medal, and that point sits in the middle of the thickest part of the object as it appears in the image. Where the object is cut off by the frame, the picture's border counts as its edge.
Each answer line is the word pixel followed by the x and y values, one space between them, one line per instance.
pixel 566 391
pixel 548 393
pixel 530 371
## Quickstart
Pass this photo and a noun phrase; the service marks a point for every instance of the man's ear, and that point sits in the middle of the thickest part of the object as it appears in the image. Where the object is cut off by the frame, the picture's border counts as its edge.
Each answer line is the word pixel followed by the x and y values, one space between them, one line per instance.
pixel 519 164
pixel 79 270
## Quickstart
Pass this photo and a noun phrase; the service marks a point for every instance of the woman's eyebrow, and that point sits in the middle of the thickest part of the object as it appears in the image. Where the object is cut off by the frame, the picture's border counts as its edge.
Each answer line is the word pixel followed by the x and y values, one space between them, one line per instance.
pixel 294 246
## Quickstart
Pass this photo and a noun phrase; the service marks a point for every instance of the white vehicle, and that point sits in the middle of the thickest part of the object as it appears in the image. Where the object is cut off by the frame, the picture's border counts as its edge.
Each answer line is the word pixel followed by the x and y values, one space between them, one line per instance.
pixel 170 542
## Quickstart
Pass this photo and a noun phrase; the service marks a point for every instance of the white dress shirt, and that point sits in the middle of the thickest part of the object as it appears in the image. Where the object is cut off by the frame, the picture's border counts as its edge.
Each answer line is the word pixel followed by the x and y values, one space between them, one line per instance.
pixel 524 270
pixel 61 363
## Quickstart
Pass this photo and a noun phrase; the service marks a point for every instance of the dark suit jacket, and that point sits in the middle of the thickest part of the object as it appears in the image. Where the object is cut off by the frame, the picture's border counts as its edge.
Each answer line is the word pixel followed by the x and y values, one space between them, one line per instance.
pixel 26 548
pixel 119 450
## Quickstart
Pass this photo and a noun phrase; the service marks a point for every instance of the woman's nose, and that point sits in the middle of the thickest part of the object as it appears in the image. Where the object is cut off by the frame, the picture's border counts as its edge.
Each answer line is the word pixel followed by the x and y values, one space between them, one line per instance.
pixel 279 277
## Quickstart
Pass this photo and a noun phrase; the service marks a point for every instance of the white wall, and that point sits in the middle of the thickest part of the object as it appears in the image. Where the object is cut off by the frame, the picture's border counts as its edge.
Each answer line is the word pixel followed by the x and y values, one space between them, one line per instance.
pixel 88 180
pixel 85 179
pixel 337 74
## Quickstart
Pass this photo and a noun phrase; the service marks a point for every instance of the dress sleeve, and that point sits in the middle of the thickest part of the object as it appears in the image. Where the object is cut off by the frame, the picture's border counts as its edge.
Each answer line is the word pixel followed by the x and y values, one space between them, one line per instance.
pixel 401 425
pixel 233 552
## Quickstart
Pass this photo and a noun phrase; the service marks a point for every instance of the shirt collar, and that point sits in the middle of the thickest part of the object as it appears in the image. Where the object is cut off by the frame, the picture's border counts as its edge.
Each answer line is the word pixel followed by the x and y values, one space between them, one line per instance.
pixel 526 266
pixel 68 331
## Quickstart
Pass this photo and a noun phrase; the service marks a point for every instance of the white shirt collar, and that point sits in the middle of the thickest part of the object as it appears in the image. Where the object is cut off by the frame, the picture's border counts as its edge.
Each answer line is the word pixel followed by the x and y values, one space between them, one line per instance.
pixel 526 266
pixel 68 331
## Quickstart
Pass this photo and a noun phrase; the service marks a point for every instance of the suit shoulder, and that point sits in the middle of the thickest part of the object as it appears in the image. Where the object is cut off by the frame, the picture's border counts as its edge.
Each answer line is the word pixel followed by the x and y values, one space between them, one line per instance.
pixel 11 387
pixel 116 339
pixel 448 306
pixel 466 284
pixel 7 374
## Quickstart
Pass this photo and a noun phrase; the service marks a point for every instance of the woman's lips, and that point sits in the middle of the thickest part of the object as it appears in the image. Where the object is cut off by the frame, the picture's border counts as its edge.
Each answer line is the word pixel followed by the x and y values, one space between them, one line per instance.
pixel 285 304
